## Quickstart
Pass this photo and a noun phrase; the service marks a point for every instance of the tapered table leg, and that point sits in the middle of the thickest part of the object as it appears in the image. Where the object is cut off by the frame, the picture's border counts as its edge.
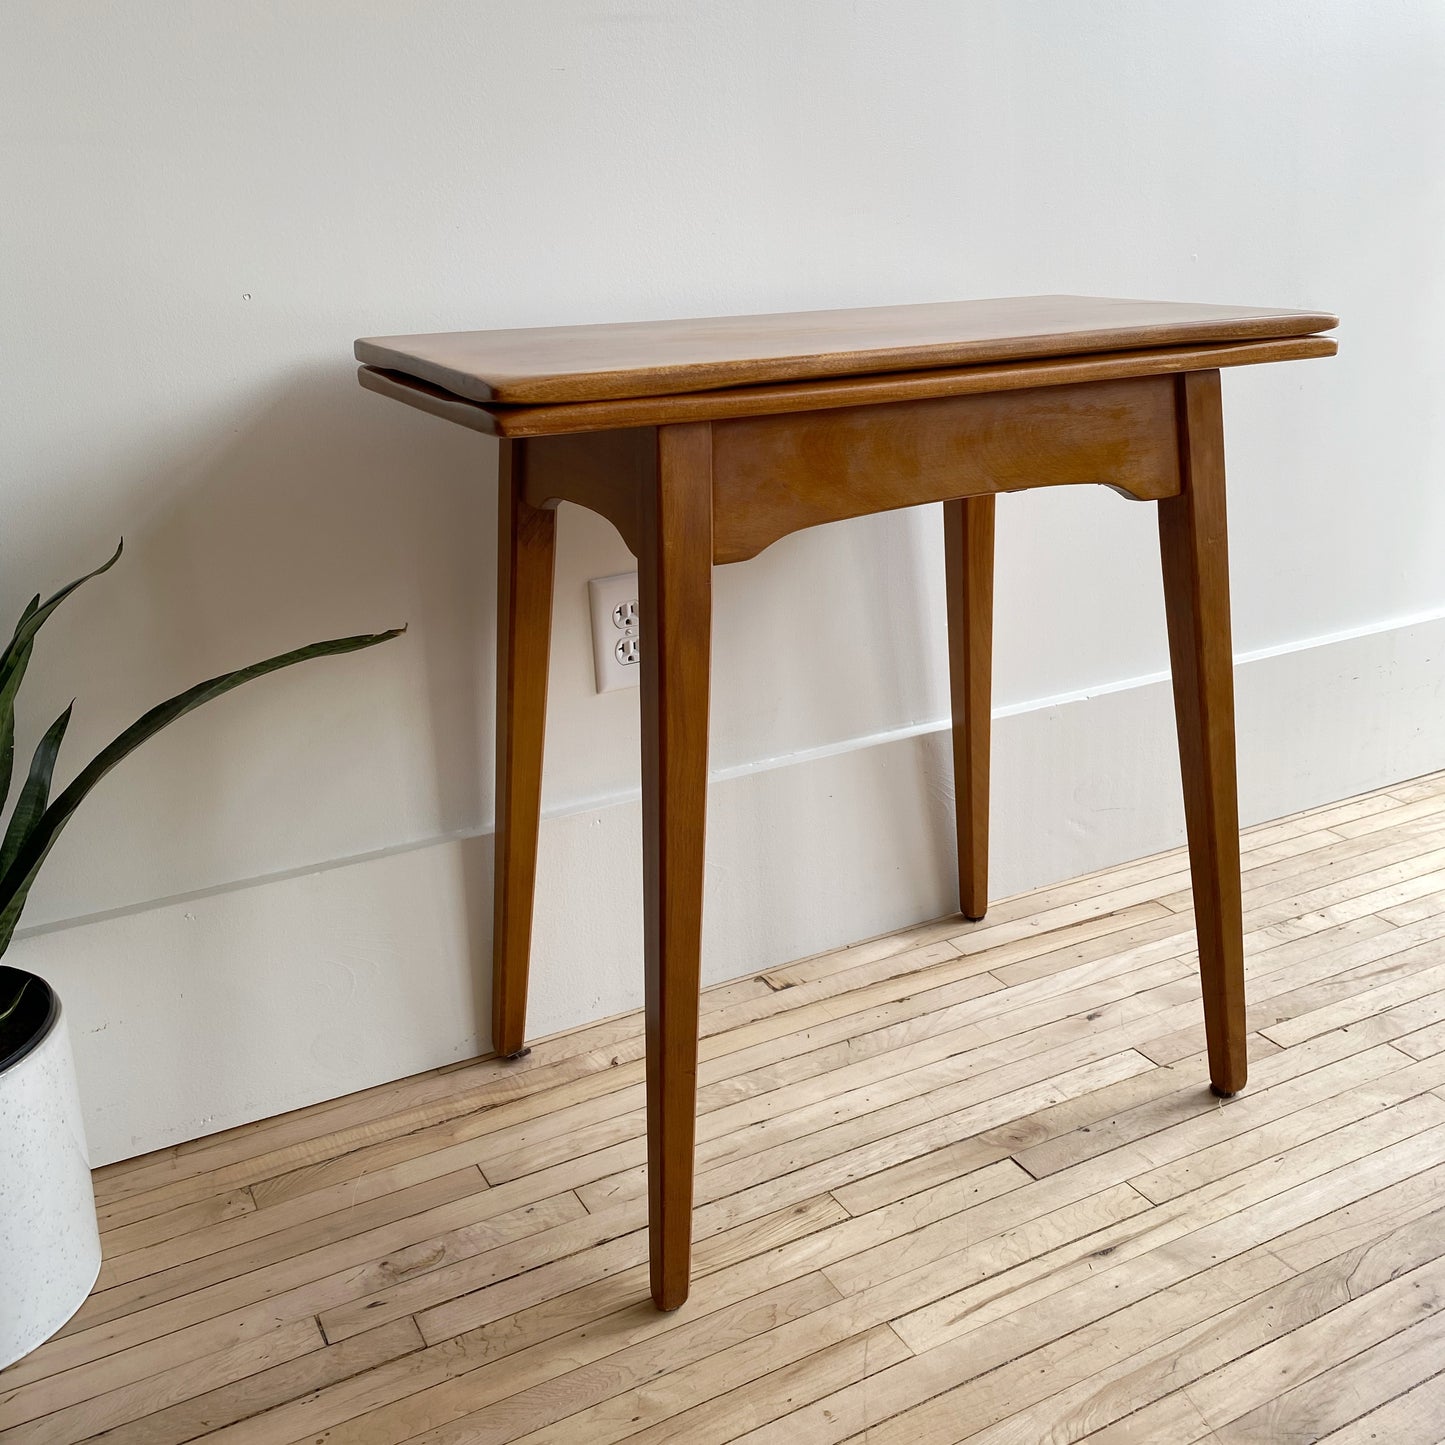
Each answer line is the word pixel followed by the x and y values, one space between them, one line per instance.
pixel 675 601
pixel 1194 551
pixel 525 547
pixel 968 561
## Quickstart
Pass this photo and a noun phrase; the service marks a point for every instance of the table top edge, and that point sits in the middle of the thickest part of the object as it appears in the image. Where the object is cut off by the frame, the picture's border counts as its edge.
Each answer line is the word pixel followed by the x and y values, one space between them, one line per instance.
pixel 549 365
pixel 498 419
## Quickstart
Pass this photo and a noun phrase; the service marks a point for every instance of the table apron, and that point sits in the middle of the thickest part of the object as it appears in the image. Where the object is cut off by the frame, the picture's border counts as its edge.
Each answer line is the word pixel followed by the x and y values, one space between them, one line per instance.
pixel 774 475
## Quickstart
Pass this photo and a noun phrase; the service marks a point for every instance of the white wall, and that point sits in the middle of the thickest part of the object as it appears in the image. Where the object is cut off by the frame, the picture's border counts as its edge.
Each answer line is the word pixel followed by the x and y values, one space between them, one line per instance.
pixel 202 205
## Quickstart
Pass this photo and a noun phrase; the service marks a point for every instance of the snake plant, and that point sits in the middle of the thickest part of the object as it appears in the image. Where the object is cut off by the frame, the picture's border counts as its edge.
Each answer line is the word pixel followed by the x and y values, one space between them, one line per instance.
pixel 36 820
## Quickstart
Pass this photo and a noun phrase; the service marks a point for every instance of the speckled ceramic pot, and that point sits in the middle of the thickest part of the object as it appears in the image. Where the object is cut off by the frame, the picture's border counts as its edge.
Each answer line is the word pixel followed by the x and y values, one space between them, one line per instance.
pixel 49 1244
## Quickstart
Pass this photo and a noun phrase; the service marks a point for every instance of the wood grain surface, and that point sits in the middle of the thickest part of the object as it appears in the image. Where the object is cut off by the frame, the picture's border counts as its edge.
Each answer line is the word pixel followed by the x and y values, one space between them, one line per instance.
pixel 968 533
pixel 773 475
pixel 1194 552
pixel 526 548
pixel 658 358
pixel 572 417
pixel 675 602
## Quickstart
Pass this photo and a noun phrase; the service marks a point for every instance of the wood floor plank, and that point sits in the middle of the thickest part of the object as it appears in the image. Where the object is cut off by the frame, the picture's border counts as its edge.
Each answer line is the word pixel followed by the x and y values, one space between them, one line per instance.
pixel 1427 807
pixel 589 1322
pixel 89 1364
pixel 920 1065
pixel 1427 785
pixel 427 1295
pixel 461 1308
pixel 1156 1116
pixel 1366 1096
pixel 1123 1389
pixel 1171 1418
pixel 1358 1223
pixel 922 1398
pixel 1083 1112
pixel 739 1367
pixel 271 1266
pixel 1363 868
pixel 1353 1376
pixel 1409 1419
pixel 917 1271
pixel 1313 978
pixel 1250 1210
pixel 750 1405
pixel 897 1124
pixel 743 1278
pixel 210 1318
pixel 577 1402
pixel 1423 1043
pixel 287 1229
pixel 49 1425
pixel 188 1219
pixel 469 1311
pixel 1414 909
pixel 1407 980
pixel 259 1392
pixel 1112 1367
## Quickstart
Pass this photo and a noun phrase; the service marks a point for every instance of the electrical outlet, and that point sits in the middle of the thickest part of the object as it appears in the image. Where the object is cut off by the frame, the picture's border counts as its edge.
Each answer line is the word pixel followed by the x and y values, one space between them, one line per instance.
pixel 615 631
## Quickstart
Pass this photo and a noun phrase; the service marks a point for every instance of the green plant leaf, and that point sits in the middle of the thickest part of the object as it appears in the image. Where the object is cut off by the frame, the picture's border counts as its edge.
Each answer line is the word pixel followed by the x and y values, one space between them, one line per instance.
pixel 7 724
pixel 16 657
pixel 36 792
pixel 38 613
pixel 16 880
pixel 14 1002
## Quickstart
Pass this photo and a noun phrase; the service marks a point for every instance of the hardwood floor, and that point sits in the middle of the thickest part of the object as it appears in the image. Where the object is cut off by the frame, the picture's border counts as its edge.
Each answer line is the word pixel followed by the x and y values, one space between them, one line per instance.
pixel 964 1182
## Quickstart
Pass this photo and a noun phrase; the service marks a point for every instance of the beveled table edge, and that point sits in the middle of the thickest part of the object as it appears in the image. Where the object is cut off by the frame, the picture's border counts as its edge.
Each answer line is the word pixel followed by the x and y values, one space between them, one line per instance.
pixel 554 419
pixel 498 381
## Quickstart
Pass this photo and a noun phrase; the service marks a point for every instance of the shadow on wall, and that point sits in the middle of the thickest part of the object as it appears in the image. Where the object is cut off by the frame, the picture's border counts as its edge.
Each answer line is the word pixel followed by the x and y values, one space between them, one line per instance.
pixel 315 511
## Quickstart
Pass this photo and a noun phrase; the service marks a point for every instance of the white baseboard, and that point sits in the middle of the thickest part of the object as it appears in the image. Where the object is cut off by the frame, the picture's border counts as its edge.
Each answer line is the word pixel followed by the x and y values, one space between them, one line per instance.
pixel 197 1014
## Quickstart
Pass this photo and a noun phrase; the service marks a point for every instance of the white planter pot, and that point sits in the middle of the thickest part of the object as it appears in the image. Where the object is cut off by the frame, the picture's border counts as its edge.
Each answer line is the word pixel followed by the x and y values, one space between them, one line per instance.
pixel 49 1242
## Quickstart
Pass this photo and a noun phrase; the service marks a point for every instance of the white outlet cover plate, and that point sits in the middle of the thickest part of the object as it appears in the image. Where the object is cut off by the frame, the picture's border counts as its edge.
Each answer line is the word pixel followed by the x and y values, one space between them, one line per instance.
pixel 606 595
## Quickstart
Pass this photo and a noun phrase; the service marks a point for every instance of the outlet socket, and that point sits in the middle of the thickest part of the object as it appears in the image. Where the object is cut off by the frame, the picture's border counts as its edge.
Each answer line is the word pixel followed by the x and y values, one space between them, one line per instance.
pixel 615 631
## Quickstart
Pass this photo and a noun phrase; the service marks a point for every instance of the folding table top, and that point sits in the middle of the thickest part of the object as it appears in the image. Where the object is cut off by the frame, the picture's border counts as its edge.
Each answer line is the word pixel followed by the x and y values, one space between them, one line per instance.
pixel 568 364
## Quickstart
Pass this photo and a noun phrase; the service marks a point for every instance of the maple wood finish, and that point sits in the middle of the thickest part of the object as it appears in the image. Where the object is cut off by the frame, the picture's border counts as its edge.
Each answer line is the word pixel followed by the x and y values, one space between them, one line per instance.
pixel 662 358
pixel 1195 555
pixel 968 571
pixel 597 416
pixel 675 600
pixel 778 474
pixel 704 442
pixel 525 549
pixel 960 1182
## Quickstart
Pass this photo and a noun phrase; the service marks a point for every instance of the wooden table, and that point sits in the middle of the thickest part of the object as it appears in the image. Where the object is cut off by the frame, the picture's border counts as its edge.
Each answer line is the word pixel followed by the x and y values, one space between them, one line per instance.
pixel 705 441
